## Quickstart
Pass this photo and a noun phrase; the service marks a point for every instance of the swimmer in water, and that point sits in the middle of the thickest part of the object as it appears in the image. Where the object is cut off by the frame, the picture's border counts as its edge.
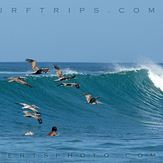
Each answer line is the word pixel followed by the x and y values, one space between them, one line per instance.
pixel 53 131
pixel 36 69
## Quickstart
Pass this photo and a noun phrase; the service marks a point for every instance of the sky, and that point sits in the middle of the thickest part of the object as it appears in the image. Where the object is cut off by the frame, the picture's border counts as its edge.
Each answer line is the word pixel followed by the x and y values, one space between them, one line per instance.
pixel 107 36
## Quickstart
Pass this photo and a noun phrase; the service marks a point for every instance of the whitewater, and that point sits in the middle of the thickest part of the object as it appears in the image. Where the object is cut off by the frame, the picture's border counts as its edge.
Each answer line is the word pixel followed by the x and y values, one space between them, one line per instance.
pixel 126 127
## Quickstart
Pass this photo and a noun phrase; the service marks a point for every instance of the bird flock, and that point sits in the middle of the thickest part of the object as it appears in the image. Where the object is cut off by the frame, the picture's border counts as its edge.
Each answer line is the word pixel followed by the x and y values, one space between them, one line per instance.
pixel 32 111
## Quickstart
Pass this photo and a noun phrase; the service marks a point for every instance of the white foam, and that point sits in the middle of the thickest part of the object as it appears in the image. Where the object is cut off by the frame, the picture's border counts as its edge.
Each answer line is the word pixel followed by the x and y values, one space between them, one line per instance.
pixel 70 71
pixel 155 73
pixel 29 133
pixel 120 68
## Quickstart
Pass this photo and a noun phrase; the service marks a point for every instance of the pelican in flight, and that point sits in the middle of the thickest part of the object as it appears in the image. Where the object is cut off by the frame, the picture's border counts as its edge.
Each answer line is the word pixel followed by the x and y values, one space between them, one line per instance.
pixel 60 75
pixel 76 85
pixel 36 69
pixel 32 111
pixel 90 99
pixel 19 80
pixel 34 115
pixel 33 108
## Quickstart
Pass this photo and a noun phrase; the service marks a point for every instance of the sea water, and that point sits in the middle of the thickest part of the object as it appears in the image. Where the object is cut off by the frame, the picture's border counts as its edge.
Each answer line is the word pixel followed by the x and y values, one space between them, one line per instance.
pixel 126 127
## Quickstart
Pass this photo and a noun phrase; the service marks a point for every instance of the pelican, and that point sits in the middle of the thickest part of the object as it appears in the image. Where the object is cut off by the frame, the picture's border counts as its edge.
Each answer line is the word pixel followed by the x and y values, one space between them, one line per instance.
pixel 34 115
pixel 60 75
pixel 76 85
pixel 32 111
pixel 19 80
pixel 33 108
pixel 90 99
pixel 36 69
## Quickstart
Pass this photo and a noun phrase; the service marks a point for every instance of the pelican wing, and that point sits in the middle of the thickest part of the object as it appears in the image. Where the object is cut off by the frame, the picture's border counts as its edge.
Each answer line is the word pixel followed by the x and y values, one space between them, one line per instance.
pixel 58 72
pixel 29 107
pixel 32 109
pixel 21 81
pixel 34 64
pixel 11 80
pixel 24 105
pixel 34 106
pixel 27 114
pixel 88 97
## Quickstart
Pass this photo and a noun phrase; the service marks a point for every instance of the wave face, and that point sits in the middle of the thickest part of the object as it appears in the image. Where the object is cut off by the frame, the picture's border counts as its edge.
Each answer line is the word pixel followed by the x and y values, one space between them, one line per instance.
pixel 131 96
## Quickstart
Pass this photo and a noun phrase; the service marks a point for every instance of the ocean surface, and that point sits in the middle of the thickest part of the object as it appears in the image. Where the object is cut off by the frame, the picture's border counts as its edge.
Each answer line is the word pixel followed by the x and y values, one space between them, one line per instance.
pixel 126 128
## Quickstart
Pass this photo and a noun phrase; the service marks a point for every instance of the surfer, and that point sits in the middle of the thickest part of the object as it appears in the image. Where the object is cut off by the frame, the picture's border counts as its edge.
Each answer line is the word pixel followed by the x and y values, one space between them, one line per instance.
pixel 90 99
pixel 36 69
pixel 53 131
pixel 76 85
pixel 19 80
pixel 34 115
pixel 60 75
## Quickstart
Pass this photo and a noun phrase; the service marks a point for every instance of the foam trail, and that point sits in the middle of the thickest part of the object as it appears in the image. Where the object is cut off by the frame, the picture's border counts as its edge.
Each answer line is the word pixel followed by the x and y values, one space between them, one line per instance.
pixel 120 68
pixel 10 72
pixel 69 71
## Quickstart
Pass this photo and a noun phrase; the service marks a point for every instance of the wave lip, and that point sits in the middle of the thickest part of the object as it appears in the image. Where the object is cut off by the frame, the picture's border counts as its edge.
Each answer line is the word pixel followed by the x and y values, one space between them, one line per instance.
pixel 155 73
pixel 68 71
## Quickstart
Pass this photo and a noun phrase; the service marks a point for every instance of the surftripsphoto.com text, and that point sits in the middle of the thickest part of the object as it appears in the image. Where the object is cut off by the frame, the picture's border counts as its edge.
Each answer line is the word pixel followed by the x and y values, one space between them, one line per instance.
pixel 79 10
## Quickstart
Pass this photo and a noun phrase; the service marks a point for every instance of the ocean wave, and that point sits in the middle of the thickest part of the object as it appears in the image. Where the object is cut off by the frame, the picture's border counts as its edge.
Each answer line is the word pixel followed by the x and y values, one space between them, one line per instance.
pixel 134 95
pixel 155 73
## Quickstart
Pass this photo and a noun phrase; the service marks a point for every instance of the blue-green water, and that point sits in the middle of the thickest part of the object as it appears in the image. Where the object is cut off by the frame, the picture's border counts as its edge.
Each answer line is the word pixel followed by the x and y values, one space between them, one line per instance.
pixel 126 127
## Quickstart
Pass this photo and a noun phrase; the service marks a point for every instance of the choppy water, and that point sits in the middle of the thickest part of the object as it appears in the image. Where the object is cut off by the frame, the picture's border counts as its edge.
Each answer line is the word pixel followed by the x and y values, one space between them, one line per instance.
pixel 127 127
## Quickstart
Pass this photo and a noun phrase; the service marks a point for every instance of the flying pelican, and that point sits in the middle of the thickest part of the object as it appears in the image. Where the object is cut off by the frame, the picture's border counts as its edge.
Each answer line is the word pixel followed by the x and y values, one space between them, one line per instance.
pixel 32 111
pixel 76 85
pixel 60 75
pixel 19 80
pixel 33 108
pixel 90 99
pixel 34 115
pixel 36 69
